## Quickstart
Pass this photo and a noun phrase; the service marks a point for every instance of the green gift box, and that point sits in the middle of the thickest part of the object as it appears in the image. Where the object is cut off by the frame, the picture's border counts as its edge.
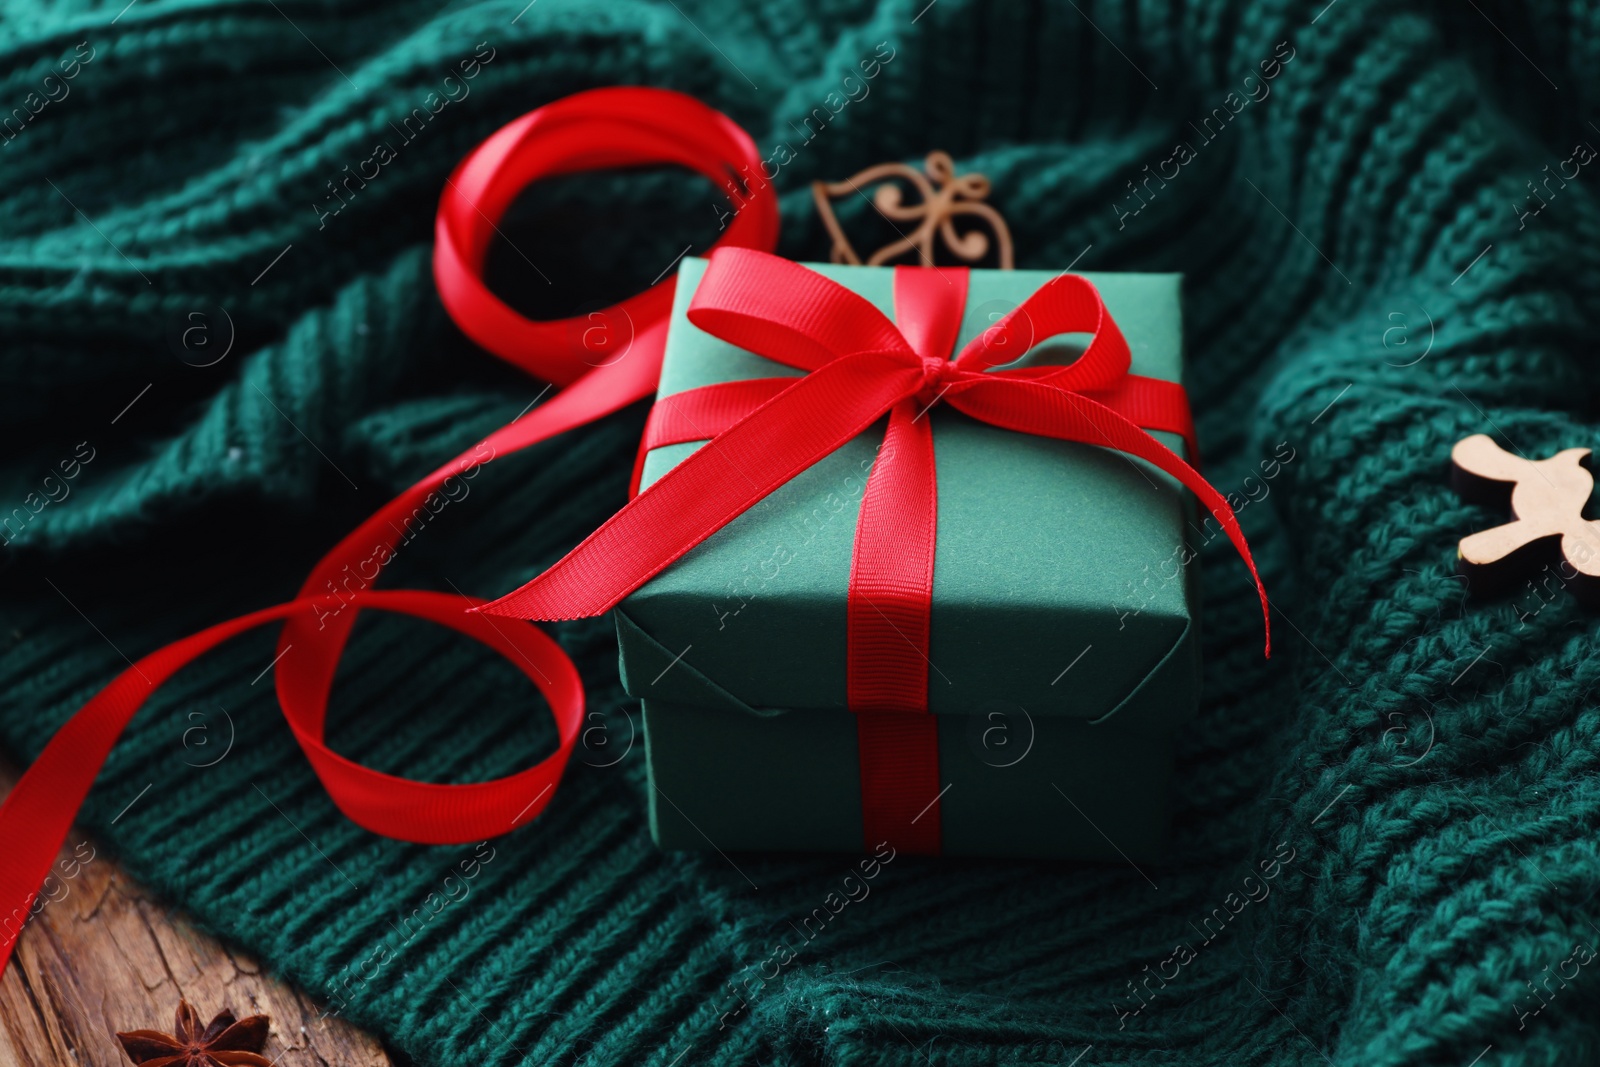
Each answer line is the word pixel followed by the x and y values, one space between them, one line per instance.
pixel 1062 652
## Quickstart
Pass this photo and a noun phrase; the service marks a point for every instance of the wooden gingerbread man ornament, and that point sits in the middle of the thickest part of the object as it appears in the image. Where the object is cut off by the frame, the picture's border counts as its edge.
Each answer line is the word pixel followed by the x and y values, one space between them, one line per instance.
pixel 1547 498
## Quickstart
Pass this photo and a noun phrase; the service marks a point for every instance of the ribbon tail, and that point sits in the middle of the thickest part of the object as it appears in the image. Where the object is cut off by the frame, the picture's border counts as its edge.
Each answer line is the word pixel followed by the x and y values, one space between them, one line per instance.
pixel 321 636
pixel 1036 407
pixel 37 814
pixel 716 485
pixel 1154 404
pixel 699 415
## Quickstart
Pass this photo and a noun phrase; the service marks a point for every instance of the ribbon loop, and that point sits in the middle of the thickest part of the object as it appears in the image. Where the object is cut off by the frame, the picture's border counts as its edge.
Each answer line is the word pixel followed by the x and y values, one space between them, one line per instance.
pixel 594 130
pixel 787 313
pixel 1068 303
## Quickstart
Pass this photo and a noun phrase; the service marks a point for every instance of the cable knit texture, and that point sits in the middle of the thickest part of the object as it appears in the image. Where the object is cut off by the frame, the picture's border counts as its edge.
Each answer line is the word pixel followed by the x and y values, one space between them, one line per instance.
pixel 1384 848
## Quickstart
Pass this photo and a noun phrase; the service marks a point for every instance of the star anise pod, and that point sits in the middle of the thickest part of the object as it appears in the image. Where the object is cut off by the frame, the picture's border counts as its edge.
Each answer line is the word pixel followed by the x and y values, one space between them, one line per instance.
pixel 225 1042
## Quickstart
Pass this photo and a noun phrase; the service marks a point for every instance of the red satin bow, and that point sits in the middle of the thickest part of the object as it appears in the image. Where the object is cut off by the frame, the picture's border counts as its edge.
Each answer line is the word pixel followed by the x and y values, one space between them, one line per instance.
pixel 764 432
pixel 861 367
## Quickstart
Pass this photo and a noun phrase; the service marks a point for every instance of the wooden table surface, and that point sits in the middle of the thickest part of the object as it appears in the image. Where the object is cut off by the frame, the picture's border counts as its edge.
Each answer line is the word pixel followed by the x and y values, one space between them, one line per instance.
pixel 105 956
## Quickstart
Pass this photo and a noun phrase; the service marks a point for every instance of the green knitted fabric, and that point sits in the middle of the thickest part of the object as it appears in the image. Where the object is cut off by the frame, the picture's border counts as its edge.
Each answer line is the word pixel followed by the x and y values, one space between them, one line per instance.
pixel 1384 848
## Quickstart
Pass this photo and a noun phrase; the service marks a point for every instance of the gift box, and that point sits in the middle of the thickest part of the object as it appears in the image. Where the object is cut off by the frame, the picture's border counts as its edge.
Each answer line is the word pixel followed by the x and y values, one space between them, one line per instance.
pixel 1061 650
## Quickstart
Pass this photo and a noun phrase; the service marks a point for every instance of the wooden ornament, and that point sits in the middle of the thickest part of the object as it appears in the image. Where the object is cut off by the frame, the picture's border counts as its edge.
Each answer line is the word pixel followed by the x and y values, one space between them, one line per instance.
pixel 1547 499
pixel 945 196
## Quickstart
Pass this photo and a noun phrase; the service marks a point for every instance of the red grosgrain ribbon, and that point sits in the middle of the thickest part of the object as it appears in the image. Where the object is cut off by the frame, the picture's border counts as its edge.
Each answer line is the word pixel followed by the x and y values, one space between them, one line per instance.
pixel 890 594
pixel 603 128
pixel 764 432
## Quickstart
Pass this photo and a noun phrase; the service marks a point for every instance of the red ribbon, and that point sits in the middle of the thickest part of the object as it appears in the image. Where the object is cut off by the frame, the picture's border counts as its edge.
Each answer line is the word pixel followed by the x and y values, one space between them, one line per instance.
pixel 764 432
pixel 603 128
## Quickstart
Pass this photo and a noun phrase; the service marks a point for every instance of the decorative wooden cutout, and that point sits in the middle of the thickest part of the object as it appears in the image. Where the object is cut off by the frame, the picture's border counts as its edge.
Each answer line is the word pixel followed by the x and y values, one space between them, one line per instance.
pixel 1547 498
pixel 944 197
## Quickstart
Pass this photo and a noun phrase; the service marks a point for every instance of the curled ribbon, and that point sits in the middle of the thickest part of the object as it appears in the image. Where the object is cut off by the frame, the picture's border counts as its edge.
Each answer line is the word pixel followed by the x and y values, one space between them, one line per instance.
pixel 602 128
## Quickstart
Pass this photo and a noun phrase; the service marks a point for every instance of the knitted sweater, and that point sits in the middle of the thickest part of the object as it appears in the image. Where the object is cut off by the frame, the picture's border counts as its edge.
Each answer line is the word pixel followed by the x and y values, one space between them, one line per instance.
pixel 222 348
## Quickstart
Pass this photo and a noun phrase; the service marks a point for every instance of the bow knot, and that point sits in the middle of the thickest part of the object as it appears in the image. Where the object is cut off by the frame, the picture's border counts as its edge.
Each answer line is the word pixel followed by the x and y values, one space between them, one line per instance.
pixel 938 374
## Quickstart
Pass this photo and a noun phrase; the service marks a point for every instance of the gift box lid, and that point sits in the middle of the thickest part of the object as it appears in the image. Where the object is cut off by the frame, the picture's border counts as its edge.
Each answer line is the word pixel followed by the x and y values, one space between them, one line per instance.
pixel 1060 580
